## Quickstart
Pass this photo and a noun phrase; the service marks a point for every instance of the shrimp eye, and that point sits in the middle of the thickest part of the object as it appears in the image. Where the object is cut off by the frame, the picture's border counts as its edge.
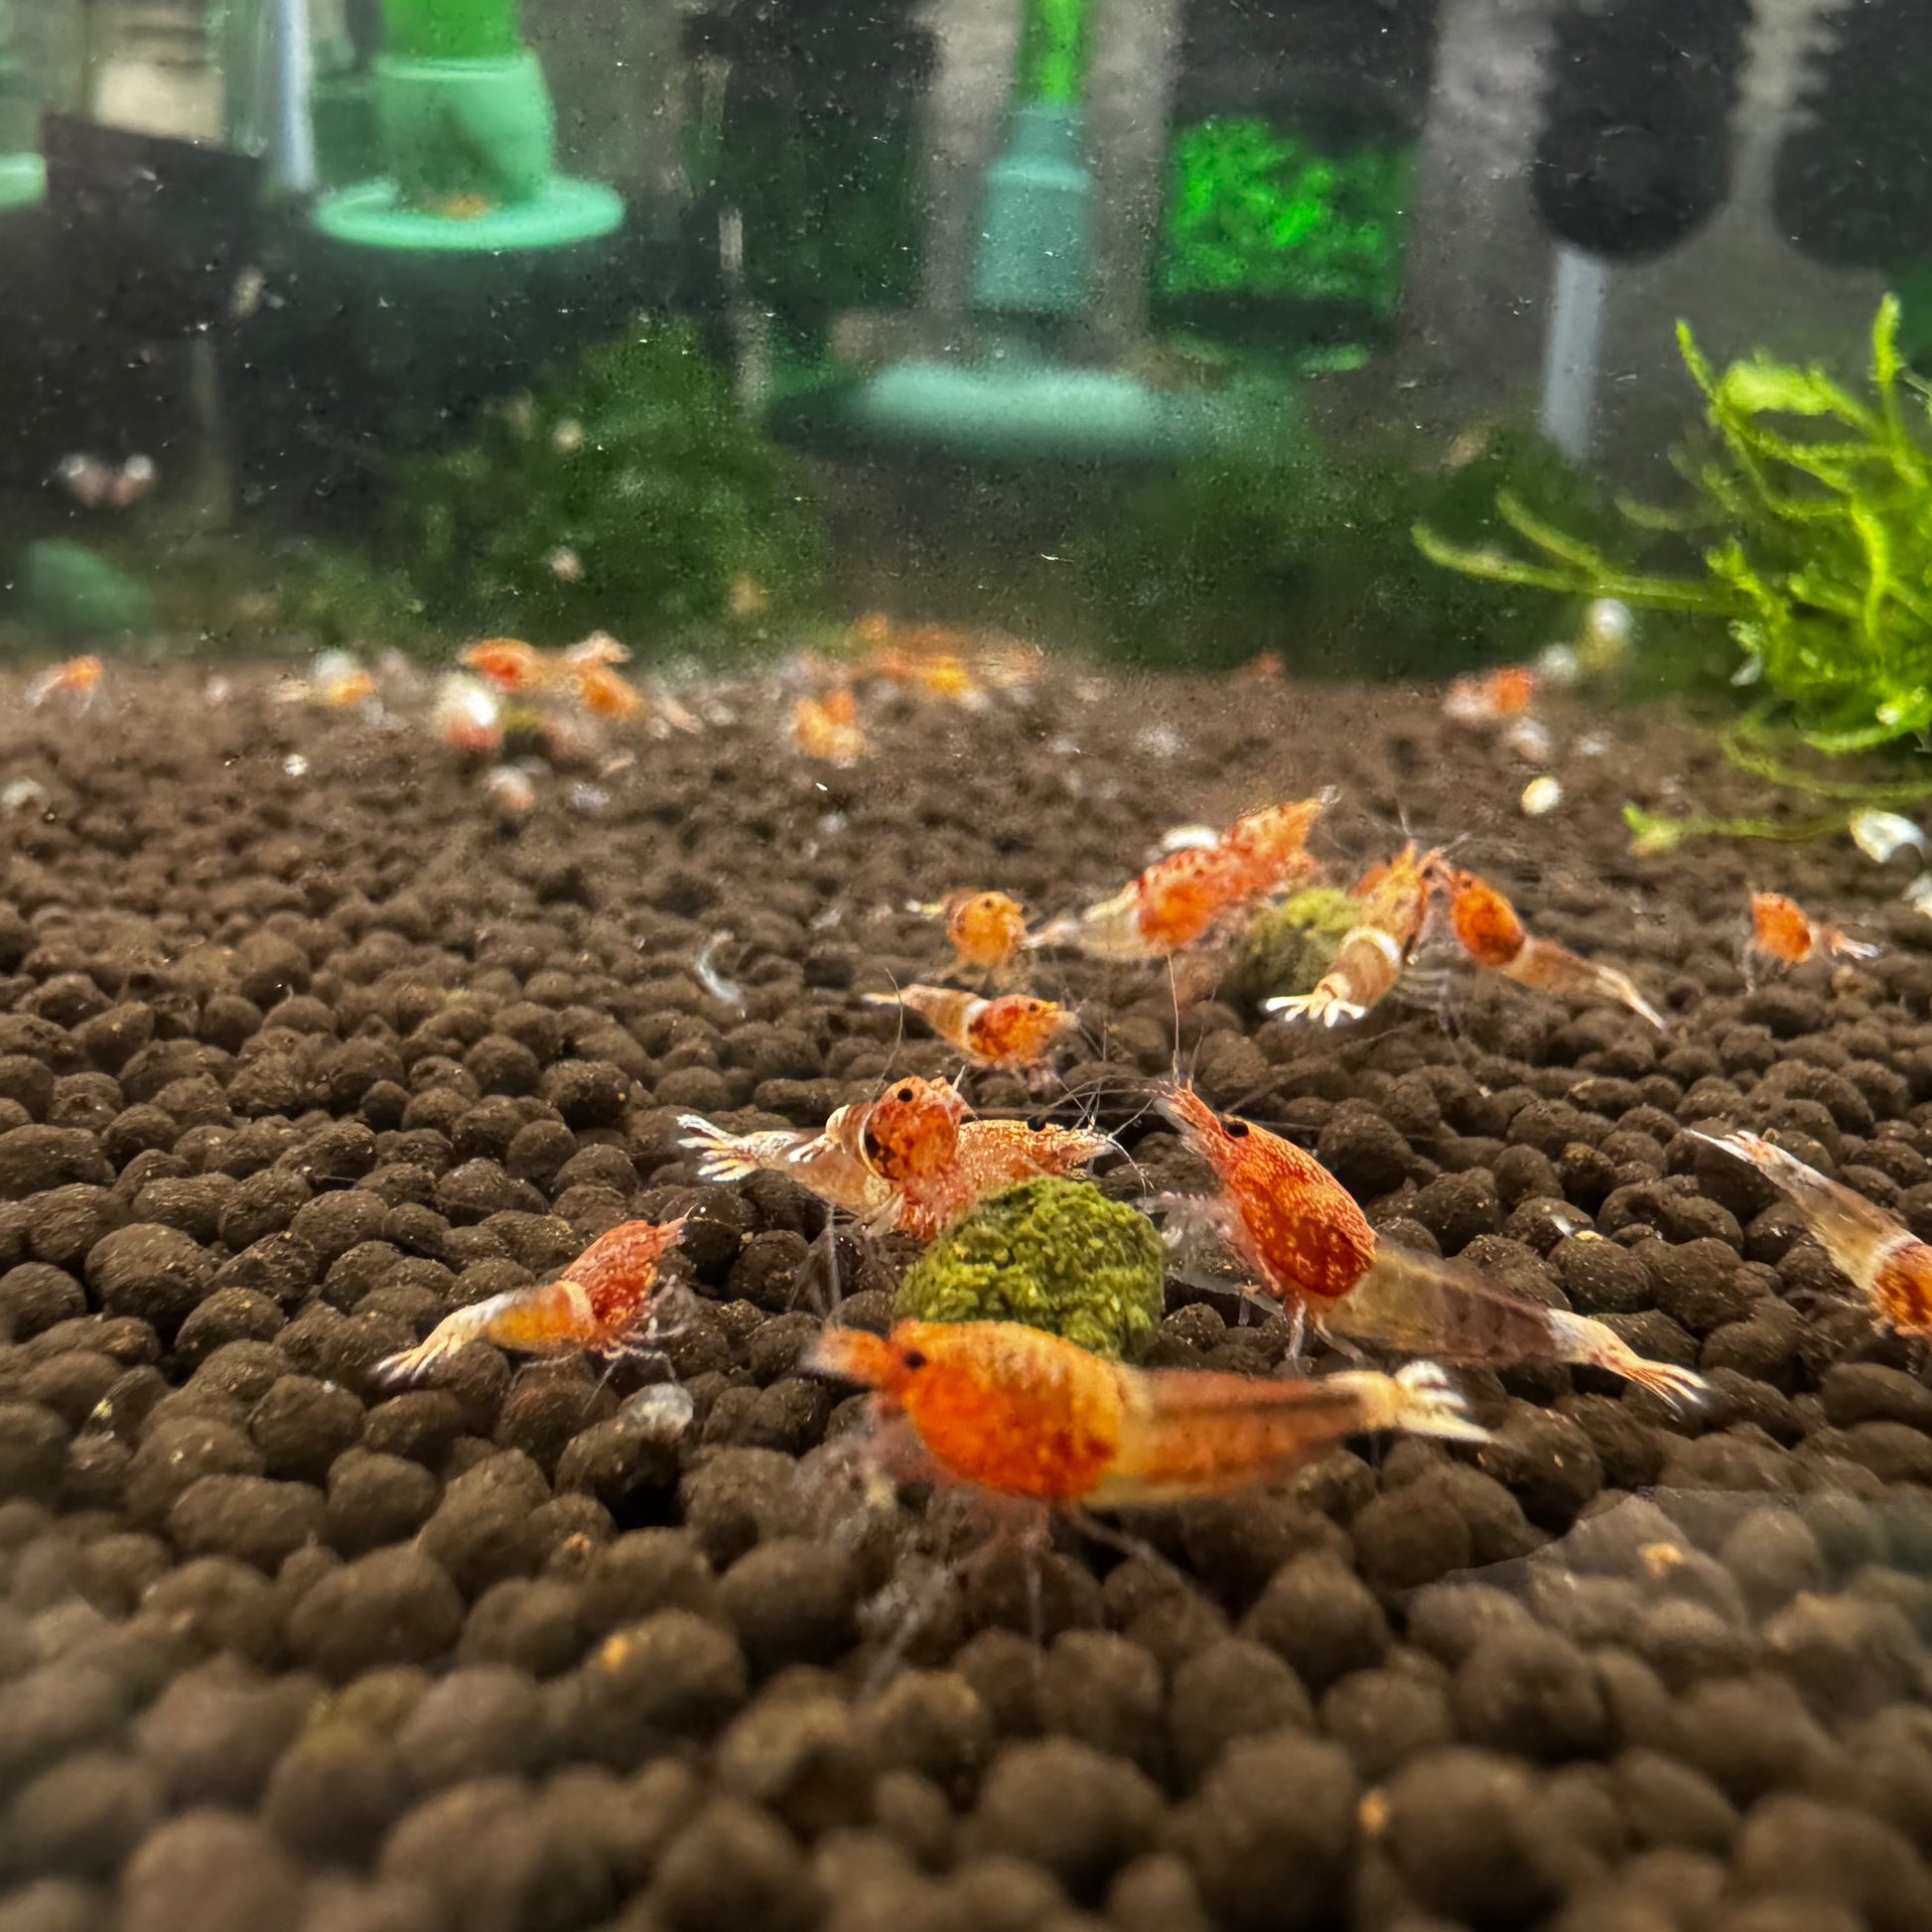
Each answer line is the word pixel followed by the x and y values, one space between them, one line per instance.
pixel 903 1096
pixel 1235 1130
pixel 913 1358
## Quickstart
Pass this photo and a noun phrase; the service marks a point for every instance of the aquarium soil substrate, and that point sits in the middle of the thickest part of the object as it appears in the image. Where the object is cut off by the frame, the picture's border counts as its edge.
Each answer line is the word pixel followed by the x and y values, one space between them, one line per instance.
pixel 305 1041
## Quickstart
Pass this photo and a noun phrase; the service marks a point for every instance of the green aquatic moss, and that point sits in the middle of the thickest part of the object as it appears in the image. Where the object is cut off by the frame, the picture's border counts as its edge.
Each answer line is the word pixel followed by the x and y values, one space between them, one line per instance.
pixel 1290 946
pixel 1055 1254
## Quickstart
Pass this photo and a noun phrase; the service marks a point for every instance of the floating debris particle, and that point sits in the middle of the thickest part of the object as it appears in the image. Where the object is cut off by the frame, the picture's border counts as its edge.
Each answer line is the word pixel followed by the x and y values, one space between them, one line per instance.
pixel 704 969
pixel 1881 836
pixel 1541 797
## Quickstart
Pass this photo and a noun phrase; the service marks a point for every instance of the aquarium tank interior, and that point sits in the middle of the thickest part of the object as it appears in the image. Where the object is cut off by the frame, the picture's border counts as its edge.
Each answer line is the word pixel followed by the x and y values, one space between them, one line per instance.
pixel 965 966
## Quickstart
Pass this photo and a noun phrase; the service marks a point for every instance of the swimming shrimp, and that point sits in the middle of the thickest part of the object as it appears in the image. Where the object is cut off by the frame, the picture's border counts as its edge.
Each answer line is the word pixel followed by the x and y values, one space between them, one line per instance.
pixel 1025 1414
pixel 1492 935
pixel 1490 697
pixel 1785 935
pixel 510 664
pixel 1372 954
pixel 1885 1262
pixel 605 1304
pixel 1014 1032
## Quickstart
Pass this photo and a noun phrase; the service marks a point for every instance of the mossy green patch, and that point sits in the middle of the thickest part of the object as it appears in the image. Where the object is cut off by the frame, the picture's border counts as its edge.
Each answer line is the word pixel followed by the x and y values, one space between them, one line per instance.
pixel 1289 947
pixel 1055 1254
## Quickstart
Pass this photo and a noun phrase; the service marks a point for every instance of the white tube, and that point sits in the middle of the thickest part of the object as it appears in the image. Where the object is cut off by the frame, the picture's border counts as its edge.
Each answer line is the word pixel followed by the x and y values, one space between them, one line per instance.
pixel 1572 352
pixel 293 139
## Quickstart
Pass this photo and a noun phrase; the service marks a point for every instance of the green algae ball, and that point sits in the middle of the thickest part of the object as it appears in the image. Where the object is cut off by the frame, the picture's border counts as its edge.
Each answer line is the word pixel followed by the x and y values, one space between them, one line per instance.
pixel 1055 1254
pixel 1290 946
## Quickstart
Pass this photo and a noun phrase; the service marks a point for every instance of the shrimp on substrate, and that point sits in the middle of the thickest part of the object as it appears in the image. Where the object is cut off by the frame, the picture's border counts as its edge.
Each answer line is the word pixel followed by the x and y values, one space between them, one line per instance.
pixel 1489 931
pixel 1420 1303
pixel 1885 1262
pixel 77 680
pixel 1373 954
pixel 468 716
pixel 1490 697
pixel 1027 1415
pixel 1307 1244
pixel 911 1160
pixel 1283 1217
pixel 1185 896
pixel 1015 1033
pixel 606 1303
pixel 1785 935
pixel 986 928
pixel 510 664
pixel 828 727
pixel 606 692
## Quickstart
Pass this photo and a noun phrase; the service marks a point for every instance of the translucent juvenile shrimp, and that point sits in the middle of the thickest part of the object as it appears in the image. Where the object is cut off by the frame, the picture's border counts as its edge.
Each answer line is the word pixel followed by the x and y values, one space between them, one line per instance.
pixel 1884 1261
pixel 605 1304
pixel 77 680
pixel 821 1163
pixel 1024 1413
pixel 1289 1221
pixel 1492 935
pixel 1783 933
pixel 1372 954
pixel 1420 1305
pixel 1014 1032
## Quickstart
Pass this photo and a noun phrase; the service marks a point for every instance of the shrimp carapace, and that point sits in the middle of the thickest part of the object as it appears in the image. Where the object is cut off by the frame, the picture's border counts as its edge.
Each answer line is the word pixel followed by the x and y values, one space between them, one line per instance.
pixel 1884 1260
pixel 1783 932
pixel 1489 931
pixel 1026 1414
pixel 1014 1032
pixel 828 727
pixel 602 1305
pixel 1290 1222
pixel 1373 953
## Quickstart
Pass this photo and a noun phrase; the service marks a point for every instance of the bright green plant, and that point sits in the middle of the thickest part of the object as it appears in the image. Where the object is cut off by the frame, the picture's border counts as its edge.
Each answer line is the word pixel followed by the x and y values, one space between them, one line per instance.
pixel 628 494
pixel 1257 211
pixel 1055 1254
pixel 450 30
pixel 1815 556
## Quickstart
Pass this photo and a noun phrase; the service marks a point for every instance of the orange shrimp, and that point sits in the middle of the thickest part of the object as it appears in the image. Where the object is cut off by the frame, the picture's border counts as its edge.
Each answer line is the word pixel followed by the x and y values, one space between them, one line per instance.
pixel 1185 896
pixel 510 665
pixel 468 716
pixel 828 727
pixel 1025 1414
pixel 1305 1243
pixel 1492 935
pixel 986 929
pixel 605 1304
pixel 1292 1224
pixel 1885 1262
pixel 911 1159
pixel 1372 955
pixel 77 679
pixel 1014 1032
pixel 600 647
pixel 605 692
pixel 1490 697
pixel 1785 935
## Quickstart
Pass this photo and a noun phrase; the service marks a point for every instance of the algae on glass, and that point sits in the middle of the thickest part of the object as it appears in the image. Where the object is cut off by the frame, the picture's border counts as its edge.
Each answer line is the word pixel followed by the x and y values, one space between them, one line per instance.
pixel 1814 547
pixel 1053 1254
pixel 628 492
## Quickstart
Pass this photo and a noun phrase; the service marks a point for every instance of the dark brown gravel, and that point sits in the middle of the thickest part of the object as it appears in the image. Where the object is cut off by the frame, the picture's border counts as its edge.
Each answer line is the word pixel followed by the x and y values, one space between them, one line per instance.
pixel 293 1062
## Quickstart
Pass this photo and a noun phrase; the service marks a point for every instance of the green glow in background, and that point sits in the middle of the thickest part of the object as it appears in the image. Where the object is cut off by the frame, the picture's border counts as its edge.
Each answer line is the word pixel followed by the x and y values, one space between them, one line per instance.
pixel 1052 52
pixel 1255 209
